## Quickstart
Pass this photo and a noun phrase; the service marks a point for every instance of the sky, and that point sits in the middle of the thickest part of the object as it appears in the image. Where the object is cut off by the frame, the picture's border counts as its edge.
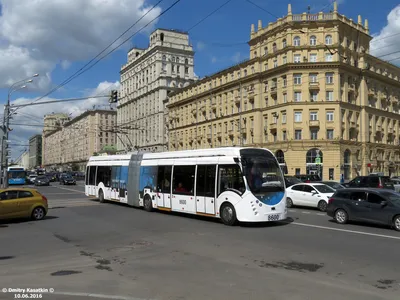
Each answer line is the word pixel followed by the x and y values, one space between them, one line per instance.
pixel 56 38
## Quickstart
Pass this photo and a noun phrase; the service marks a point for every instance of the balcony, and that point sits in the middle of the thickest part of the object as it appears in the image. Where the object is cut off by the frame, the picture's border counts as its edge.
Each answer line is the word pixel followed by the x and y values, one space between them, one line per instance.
pixel 390 129
pixel 238 99
pixel 313 85
pixel 371 92
pixel 194 111
pixel 214 106
pixel 273 126
pixel 314 123
pixel 251 94
pixel 219 134
pixel 209 136
pixel 231 132
pixel 243 130
pixel 274 90
pixel 203 109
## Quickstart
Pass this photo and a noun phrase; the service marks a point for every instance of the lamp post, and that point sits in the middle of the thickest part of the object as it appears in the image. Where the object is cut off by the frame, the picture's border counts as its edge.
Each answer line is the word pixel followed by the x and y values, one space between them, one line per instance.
pixel 16 86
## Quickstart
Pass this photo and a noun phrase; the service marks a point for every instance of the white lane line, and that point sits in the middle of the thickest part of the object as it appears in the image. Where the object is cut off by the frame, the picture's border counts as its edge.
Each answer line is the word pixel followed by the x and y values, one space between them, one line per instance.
pixel 102 296
pixel 67 189
pixel 348 231
pixel 59 194
pixel 306 212
pixel 320 214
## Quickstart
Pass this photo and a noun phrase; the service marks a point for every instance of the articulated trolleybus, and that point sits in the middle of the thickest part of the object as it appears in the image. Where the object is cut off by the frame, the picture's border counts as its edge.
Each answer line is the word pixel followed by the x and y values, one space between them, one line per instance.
pixel 233 184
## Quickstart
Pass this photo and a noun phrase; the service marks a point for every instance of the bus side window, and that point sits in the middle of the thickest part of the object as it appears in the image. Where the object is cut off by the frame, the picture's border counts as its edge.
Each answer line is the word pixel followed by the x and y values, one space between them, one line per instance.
pixel 230 177
pixel 164 179
pixel 92 175
pixel 103 175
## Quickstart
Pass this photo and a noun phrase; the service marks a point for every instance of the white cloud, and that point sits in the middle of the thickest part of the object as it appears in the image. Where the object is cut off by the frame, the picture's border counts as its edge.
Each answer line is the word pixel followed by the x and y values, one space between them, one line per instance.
pixel 237 57
pixel 200 45
pixel 33 115
pixel 213 59
pixel 386 43
pixel 37 35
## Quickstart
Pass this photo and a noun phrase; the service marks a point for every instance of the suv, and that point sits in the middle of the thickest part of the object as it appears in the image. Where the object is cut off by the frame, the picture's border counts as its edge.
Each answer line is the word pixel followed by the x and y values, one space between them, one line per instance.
pixel 379 206
pixel 308 177
pixel 382 182
pixel 291 180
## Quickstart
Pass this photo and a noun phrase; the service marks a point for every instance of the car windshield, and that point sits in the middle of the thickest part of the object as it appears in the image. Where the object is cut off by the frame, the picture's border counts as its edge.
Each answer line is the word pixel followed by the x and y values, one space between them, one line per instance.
pixel 41 177
pixel 334 185
pixel 324 189
pixel 263 174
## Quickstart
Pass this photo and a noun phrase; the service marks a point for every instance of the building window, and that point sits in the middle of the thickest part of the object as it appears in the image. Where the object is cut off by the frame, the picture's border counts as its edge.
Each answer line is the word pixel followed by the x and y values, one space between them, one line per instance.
pixel 329 116
pixel 313 77
pixel 284 98
pixel 284 135
pixel 164 57
pixel 313 116
pixel 297 58
pixel 245 72
pixel 297 134
pixel 284 43
pixel 265 50
pixel 313 96
pixel 283 118
pixel 314 134
pixel 329 134
pixel 328 40
pixel 329 95
pixel 297 96
pixel 297 116
pixel 313 40
pixel 284 81
pixel 329 78
pixel 186 70
pixel 275 63
pixel 313 57
pixel 274 48
pixel 284 60
pixel 297 78
pixel 328 57
pixel 296 41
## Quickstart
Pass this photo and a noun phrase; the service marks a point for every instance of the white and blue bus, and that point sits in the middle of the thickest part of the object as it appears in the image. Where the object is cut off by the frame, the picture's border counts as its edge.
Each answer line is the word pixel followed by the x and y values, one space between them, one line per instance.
pixel 233 184
pixel 16 175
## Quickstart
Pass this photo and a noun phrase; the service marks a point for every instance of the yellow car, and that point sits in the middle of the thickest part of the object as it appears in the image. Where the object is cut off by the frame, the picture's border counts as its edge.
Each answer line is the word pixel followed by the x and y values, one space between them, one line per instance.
pixel 22 203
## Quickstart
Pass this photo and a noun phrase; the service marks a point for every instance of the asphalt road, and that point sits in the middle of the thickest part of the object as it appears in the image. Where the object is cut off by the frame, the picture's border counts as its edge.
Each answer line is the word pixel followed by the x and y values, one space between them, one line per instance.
pixel 88 250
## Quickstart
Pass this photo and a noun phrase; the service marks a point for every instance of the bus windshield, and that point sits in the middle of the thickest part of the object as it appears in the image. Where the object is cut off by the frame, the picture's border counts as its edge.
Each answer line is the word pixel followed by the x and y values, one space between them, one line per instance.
pixel 16 174
pixel 263 174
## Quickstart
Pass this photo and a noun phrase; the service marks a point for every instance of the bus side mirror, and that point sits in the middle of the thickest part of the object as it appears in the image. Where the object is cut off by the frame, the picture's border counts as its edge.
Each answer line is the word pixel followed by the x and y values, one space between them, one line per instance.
pixel 236 160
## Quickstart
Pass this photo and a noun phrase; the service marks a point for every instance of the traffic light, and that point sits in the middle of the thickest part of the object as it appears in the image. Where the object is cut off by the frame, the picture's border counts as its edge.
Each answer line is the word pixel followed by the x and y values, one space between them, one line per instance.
pixel 113 96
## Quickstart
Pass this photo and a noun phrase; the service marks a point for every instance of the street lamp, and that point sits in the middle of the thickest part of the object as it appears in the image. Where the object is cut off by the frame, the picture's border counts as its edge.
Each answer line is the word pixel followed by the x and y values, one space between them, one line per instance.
pixel 16 86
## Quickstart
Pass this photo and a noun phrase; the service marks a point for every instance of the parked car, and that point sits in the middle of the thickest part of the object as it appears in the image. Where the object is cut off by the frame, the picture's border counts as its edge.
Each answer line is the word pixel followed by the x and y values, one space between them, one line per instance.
pixel 374 181
pixel 31 178
pixel 309 194
pixel 67 179
pixel 333 184
pixel 291 180
pixel 42 180
pixel 308 177
pixel 396 183
pixel 22 203
pixel 379 206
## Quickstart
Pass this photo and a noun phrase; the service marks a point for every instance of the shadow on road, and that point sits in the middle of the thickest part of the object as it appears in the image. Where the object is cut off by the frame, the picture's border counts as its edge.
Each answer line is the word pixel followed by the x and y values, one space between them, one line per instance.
pixel 267 224
pixel 363 224
pixel 5 223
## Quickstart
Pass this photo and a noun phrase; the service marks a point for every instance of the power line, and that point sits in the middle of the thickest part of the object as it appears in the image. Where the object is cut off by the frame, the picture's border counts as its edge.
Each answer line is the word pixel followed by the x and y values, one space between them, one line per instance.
pixel 210 14
pixel 55 101
pixel 83 70
pixel 262 8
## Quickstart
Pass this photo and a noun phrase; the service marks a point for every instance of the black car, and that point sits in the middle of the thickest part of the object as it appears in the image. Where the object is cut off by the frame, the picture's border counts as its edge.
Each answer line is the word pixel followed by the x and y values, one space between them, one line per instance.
pixel 308 177
pixel 42 180
pixel 67 179
pixel 333 184
pixel 372 181
pixel 379 206
pixel 291 180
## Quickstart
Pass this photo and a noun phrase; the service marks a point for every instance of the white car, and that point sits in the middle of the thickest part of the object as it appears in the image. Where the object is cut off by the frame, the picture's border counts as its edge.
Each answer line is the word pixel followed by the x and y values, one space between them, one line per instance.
pixel 309 194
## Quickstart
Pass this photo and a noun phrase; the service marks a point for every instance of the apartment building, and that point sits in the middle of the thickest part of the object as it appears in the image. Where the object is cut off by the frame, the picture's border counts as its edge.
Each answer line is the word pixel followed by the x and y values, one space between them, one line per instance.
pixel 310 91
pixel 78 139
pixel 35 151
pixel 147 78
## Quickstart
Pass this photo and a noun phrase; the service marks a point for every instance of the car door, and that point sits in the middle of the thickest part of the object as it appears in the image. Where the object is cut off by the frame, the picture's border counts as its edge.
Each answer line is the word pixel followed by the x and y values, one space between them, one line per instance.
pixel 295 193
pixel 354 183
pixel 26 201
pixel 9 205
pixel 310 196
pixel 357 204
pixel 375 212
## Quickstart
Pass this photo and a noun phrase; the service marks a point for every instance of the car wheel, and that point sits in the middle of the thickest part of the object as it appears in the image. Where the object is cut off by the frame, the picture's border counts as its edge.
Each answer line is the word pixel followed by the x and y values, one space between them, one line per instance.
pixel 322 205
pixel 396 223
pixel 228 214
pixel 101 196
pixel 289 203
pixel 341 216
pixel 38 213
pixel 148 204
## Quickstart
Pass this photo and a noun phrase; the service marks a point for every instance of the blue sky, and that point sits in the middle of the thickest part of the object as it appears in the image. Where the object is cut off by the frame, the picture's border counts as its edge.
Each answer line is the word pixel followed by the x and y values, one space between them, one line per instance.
pixel 219 41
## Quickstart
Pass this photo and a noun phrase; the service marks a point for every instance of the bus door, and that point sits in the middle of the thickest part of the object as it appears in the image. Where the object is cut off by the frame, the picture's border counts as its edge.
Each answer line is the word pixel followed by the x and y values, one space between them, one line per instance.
pixel 164 192
pixel 205 189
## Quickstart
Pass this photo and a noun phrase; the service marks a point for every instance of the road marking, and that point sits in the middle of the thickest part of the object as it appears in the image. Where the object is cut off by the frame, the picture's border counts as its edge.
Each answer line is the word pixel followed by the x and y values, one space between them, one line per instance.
pixel 102 296
pixel 59 193
pixel 67 189
pixel 320 214
pixel 347 230
pixel 306 212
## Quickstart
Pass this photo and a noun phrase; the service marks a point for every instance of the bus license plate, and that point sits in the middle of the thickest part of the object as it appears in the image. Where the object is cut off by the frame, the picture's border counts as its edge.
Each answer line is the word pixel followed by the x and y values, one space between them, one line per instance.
pixel 274 217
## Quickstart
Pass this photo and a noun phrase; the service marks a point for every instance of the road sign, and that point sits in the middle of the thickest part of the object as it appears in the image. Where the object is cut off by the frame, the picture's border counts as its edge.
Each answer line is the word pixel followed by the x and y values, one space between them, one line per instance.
pixel 318 160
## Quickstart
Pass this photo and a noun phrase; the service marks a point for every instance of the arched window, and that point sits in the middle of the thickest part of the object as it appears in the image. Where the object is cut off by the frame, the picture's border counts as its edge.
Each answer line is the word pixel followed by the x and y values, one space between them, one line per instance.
pixel 328 40
pixel 186 61
pixel 280 156
pixel 312 154
pixel 274 48
pixel 313 40
pixel 347 157
pixel 296 41
pixel 245 72
pixel 177 59
pixel 162 37
pixel 284 43
pixel 255 53
pixel 265 50
pixel 137 54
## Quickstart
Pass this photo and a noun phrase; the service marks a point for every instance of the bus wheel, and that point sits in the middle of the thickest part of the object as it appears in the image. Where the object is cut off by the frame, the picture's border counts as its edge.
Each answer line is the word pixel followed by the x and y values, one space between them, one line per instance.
pixel 148 204
pixel 228 214
pixel 101 196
